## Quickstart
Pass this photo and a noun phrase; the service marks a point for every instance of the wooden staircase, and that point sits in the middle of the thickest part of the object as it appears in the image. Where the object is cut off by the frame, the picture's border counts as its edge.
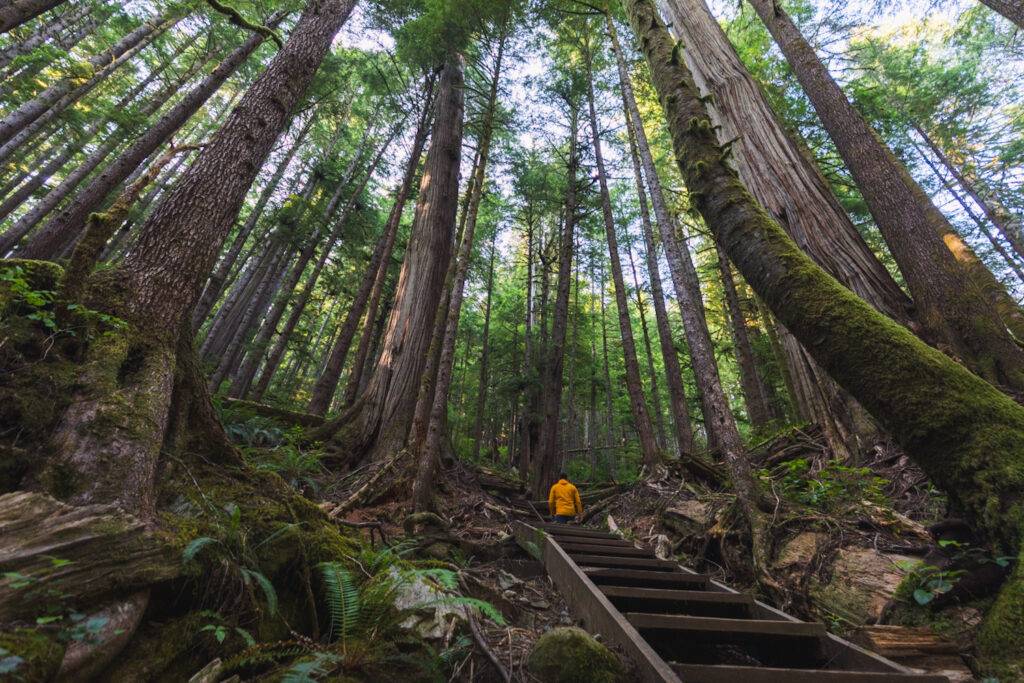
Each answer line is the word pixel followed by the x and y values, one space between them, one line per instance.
pixel 677 625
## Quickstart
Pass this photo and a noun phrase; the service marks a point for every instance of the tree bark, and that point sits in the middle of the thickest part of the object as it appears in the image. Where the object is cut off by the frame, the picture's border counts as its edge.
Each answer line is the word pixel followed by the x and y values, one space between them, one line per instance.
pixel 1011 9
pixel 430 452
pixel 965 434
pixel 545 461
pixel 485 356
pixel 66 91
pixel 641 417
pixel 17 12
pixel 215 284
pixel 42 35
pixel 754 394
pixel 367 298
pixel 642 159
pixel 379 421
pixel 64 228
pixel 951 308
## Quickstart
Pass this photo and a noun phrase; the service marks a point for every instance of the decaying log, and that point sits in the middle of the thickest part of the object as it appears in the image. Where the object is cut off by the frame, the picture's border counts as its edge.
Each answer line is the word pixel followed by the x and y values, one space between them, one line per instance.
pixel 916 647
pixel 87 553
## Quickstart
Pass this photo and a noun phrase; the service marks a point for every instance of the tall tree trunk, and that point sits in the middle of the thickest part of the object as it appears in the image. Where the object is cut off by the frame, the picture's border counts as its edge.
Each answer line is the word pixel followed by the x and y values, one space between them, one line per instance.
pixel 66 91
pixel 367 298
pixel 979 221
pixel 1007 224
pixel 74 178
pixel 546 460
pixel 485 355
pixel 609 411
pixel 17 12
pixel 43 34
pixel 299 305
pixel 247 372
pixel 527 430
pixel 1011 9
pixel 673 371
pixel 950 306
pixel 781 174
pixel 378 423
pixel 430 451
pixel 64 228
pixel 966 435
pixel 215 284
pixel 659 419
pixel 54 164
pixel 754 394
pixel 638 404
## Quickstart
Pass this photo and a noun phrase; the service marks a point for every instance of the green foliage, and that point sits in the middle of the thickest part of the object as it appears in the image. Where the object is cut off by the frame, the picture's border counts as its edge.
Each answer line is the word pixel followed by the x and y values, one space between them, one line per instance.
pixel 833 487
pixel 925 582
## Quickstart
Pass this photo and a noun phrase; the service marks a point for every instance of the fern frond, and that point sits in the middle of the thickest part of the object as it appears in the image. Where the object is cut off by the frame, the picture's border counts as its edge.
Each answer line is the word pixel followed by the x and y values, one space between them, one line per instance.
pixel 248 575
pixel 484 607
pixel 194 546
pixel 342 595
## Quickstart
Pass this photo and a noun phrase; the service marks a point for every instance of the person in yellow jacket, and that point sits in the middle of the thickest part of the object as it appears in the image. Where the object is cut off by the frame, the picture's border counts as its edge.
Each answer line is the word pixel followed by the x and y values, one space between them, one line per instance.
pixel 564 500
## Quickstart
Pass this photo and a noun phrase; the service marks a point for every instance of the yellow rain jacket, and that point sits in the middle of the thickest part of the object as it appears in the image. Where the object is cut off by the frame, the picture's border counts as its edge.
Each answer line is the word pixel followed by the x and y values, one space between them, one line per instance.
pixel 564 499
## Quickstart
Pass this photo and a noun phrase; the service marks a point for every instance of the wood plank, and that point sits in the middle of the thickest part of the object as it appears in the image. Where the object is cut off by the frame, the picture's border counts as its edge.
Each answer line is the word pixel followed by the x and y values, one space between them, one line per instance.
pixel 640 577
pixel 587 560
pixel 707 673
pixel 669 594
pixel 668 601
pixel 592 540
pixel 612 551
pixel 573 530
pixel 727 629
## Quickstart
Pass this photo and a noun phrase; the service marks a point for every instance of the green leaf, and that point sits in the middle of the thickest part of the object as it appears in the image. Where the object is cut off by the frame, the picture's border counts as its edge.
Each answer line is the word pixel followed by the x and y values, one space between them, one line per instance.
pixel 923 597
pixel 268 588
pixel 10 664
pixel 193 548
pixel 43 621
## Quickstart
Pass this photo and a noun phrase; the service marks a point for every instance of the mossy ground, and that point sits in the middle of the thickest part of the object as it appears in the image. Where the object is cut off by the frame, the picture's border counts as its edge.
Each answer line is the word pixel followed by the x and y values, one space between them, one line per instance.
pixel 571 655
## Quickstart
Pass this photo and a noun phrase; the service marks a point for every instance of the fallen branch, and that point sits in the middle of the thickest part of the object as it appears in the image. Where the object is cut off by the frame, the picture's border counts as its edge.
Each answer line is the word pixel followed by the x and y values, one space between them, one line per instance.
pixel 356 497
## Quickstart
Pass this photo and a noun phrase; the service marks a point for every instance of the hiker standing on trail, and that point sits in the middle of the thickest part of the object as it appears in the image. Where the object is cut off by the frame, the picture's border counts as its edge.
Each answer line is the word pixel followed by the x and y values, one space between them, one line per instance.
pixel 564 500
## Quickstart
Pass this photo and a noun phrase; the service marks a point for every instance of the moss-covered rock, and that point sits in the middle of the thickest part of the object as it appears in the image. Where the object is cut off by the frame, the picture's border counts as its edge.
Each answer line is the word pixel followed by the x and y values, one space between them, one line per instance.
pixel 29 655
pixel 571 655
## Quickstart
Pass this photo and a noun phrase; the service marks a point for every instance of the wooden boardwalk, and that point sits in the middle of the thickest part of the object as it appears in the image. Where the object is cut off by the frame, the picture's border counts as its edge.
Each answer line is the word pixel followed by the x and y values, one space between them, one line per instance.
pixel 676 625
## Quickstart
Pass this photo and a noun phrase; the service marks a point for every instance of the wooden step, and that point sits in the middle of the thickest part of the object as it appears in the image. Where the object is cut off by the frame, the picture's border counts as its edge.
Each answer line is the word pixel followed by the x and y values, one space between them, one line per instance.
pixel 573 530
pixel 592 540
pixel 640 578
pixel 588 560
pixel 583 547
pixel 746 642
pixel 668 601
pixel 706 673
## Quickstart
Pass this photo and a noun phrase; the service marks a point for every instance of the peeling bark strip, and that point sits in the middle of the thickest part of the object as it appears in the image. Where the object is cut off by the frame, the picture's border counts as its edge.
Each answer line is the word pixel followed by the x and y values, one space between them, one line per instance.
pixel 179 242
pixel 963 432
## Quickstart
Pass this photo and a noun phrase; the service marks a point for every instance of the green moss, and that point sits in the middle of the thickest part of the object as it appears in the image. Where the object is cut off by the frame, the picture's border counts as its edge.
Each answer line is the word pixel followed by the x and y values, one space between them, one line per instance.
pixel 571 655
pixel 40 654
pixel 1000 643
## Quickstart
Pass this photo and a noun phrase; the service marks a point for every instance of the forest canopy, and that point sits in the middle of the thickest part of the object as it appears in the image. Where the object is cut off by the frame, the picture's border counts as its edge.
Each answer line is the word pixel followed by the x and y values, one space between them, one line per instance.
pixel 277 277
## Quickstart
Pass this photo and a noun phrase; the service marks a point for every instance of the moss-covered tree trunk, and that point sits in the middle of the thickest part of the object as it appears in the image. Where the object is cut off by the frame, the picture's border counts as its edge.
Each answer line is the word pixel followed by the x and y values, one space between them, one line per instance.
pixel 963 432
pixel 951 306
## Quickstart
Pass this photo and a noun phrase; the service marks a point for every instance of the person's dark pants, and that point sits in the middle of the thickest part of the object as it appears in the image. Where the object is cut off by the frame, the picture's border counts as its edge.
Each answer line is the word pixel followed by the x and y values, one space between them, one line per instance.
pixel 563 519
